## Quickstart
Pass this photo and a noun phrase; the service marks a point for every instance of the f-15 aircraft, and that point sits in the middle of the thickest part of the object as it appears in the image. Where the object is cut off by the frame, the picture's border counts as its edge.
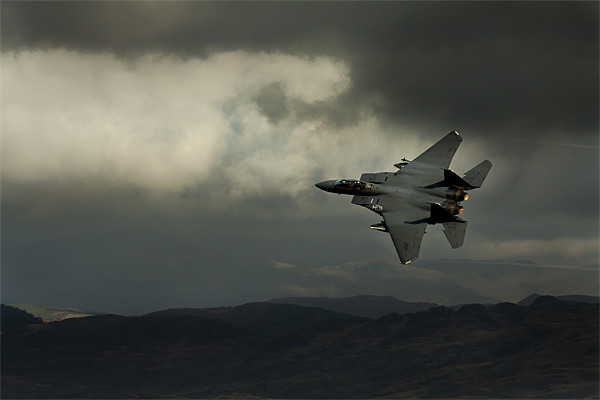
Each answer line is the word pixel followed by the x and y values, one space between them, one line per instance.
pixel 423 191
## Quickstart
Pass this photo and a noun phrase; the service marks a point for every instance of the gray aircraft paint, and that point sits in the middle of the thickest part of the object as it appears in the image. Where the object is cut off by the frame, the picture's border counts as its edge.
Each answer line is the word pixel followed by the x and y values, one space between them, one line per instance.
pixel 423 191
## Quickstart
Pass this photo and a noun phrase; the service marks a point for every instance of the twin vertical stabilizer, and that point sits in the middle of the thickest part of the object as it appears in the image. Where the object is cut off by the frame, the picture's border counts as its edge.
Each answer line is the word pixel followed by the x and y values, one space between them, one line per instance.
pixel 455 230
pixel 476 175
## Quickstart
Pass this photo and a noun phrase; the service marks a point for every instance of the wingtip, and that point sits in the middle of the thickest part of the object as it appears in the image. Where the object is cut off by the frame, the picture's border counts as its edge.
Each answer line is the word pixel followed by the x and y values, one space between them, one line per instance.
pixel 456 135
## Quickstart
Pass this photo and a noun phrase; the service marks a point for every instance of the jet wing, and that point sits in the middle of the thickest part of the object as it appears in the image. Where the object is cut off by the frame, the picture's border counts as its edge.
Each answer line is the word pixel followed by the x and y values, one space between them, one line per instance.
pixel 407 228
pixel 440 154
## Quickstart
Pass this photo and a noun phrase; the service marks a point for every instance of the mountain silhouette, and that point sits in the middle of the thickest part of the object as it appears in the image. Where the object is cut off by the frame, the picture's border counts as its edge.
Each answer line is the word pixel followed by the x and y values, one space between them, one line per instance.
pixel 261 318
pixel 14 319
pixel 368 306
pixel 577 298
pixel 548 349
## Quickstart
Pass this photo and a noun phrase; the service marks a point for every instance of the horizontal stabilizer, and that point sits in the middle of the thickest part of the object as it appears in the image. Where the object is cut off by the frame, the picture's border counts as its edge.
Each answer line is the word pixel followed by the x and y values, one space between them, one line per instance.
pixel 476 175
pixel 455 233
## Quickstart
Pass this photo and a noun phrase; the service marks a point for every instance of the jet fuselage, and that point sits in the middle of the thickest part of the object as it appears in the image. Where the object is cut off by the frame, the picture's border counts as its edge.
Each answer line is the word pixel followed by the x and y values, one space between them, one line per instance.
pixel 423 191
pixel 421 197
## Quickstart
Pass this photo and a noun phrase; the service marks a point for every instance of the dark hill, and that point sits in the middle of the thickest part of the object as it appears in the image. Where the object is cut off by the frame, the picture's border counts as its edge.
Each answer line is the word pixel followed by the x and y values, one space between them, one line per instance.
pixel 114 331
pixel 546 350
pixel 367 306
pixel 112 356
pixel 16 319
pixel 261 318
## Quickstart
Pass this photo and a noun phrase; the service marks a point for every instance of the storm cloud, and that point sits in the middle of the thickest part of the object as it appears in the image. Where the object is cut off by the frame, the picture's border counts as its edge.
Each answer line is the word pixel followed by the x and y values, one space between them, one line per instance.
pixel 446 62
pixel 212 121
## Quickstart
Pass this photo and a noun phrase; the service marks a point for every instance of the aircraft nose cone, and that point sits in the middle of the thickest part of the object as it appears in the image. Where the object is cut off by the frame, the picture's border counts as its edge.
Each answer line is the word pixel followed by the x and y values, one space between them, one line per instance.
pixel 325 185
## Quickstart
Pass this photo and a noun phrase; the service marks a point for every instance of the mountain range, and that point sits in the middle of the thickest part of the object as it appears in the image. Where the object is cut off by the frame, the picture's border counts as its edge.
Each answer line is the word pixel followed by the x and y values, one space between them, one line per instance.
pixel 546 349
pixel 269 319
pixel 368 306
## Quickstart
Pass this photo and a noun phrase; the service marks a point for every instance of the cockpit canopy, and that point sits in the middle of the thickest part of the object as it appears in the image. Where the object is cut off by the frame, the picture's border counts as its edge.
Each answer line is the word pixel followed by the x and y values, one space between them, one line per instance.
pixel 349 184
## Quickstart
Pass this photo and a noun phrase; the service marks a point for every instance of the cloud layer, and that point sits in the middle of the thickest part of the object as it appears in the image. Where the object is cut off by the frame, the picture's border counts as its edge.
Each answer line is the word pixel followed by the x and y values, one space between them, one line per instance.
pixel 162 124
pixel 226 129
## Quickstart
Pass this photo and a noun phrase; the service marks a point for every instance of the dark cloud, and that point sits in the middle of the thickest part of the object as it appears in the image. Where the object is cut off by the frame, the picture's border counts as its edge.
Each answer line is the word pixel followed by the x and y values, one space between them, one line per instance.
pixel 492 67
pixel 271 101
pixel 517 69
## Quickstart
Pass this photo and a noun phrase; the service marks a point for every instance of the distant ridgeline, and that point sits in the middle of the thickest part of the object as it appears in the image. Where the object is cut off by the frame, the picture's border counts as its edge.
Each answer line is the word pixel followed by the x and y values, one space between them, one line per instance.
pixel 529 300
pixel 51 313
pixel 547 349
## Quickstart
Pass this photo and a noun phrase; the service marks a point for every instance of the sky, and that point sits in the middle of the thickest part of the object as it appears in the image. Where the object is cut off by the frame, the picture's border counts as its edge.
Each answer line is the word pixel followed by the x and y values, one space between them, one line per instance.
pixel 211 122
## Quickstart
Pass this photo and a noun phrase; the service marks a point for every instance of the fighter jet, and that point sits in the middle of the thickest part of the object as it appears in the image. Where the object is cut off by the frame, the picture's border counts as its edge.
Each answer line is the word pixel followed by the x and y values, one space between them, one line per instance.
pixel 423 191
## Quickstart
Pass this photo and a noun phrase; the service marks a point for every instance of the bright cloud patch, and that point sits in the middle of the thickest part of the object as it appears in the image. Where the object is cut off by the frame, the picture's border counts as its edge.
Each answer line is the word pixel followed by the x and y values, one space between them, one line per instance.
pixel 161 124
